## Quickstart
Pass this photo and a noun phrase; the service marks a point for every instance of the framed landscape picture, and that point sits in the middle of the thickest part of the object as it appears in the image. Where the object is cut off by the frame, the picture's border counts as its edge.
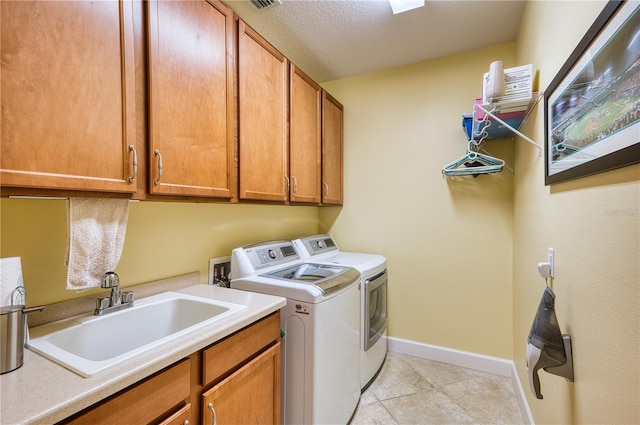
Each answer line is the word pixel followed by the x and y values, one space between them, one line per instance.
pixel 592 107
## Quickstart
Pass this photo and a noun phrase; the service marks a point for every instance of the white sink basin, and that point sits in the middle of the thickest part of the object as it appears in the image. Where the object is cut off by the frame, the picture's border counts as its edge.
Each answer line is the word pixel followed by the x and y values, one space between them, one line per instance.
pixel 88 344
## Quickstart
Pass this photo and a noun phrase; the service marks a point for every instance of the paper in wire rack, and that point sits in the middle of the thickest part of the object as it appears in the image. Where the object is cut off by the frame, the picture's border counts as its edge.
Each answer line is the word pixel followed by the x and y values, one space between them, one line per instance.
pixel 518 90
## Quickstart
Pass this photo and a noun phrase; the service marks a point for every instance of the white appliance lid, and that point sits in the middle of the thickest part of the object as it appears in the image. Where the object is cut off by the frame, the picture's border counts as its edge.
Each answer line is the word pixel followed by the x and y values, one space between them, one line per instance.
pixel 323 249
pixel 326 277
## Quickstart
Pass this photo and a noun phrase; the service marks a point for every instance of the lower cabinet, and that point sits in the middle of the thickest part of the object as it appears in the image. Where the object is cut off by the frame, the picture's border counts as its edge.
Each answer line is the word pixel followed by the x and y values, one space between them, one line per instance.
pixel 233 381
pixel 257 384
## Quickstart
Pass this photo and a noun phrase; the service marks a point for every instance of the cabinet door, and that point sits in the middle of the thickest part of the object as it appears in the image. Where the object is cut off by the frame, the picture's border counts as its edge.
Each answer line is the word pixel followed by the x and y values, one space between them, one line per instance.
pixel 181 417
pixel 305 137
pixel 262 103
pixel 68 99
pixel 251 395
pixel 191 99
pixel 332 150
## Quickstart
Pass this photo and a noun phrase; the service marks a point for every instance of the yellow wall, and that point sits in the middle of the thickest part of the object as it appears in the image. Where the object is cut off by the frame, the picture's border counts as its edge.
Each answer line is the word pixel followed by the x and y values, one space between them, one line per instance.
pixel 447 240
pixel 163 239
pixel 593 224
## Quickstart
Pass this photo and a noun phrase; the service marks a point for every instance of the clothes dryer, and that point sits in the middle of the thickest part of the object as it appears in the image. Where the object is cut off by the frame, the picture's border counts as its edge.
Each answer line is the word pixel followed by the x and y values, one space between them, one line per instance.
pixel 373 304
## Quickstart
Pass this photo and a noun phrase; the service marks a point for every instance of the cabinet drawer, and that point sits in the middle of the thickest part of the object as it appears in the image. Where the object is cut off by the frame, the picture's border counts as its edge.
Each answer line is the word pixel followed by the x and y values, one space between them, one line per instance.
pixel 143 402
pixel 236 349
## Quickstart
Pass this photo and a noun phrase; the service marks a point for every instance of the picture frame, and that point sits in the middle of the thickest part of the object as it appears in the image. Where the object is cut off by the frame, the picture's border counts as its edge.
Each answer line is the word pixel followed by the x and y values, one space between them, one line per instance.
pixel 592 106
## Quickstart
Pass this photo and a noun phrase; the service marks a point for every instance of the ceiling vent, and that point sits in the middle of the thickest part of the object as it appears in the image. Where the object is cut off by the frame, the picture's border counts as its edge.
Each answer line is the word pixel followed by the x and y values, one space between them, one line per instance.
pixel 263 4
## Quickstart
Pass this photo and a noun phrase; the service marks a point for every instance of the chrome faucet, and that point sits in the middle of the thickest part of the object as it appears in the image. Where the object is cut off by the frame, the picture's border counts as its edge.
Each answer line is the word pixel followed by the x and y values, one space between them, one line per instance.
pixel 116 300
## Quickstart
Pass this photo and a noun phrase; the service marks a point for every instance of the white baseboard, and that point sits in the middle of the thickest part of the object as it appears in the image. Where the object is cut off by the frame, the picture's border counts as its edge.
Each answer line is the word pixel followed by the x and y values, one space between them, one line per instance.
pixel 522 399
pixel 479 362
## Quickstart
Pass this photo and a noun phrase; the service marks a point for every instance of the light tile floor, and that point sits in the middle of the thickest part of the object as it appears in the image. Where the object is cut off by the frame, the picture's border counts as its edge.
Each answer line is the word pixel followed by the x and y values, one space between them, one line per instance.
pixel 411 390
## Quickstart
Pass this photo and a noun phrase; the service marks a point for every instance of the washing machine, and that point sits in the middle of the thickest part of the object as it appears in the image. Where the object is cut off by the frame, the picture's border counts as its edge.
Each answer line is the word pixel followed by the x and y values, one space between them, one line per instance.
pixel 373 309
pixel 321 325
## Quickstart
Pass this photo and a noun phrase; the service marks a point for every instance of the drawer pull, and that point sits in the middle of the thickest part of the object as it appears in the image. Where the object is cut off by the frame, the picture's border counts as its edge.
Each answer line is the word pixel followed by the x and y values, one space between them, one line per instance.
pixel 214 421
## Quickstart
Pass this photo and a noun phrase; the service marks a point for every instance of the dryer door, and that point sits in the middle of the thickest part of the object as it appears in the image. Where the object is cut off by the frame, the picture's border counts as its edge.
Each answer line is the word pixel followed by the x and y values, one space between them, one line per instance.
pixel 375 308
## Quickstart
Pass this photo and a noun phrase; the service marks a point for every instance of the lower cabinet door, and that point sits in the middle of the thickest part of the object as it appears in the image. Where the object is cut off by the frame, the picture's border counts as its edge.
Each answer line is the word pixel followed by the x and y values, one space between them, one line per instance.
pixel 251 395
pixel 181 417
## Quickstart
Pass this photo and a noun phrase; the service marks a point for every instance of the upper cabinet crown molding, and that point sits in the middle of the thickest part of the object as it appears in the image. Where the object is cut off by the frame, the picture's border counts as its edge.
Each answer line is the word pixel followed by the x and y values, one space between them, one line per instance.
pixel 68 96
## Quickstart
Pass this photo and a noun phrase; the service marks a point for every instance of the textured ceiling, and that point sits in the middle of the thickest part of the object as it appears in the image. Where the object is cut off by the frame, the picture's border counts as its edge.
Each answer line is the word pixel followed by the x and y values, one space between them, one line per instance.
pixel 333 39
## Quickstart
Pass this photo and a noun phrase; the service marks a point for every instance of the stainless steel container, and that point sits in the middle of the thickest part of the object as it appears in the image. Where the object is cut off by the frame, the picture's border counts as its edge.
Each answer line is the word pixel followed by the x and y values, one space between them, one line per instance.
pixel 13 336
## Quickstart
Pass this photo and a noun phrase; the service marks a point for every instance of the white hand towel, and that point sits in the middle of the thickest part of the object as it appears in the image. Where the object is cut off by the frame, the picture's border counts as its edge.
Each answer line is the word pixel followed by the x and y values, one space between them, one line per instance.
pixel 97 228
pixel 11 278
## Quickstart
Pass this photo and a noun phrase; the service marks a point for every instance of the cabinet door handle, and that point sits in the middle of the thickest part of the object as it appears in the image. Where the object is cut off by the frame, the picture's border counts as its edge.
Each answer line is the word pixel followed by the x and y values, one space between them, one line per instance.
pixel 214 421
pixel 157 181
pixel 295 185
pixel 286 190
pixel 326 189
pixel 135 164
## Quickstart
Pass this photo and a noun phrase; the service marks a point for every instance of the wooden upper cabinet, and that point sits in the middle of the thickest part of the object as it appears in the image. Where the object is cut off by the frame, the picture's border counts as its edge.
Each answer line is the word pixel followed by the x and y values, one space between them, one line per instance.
pixel 67 97
pixel 332 150
pixel 262 104
pixel 304 137
pixel 191 150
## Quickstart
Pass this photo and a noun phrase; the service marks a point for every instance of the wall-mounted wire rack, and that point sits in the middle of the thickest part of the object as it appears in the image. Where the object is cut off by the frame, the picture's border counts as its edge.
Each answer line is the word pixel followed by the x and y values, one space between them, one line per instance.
pixel 499 119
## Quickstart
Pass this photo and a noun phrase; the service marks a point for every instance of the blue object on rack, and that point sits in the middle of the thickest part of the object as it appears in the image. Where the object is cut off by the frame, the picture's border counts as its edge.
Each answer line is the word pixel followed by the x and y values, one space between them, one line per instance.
pixel 467 124
pixel 495 130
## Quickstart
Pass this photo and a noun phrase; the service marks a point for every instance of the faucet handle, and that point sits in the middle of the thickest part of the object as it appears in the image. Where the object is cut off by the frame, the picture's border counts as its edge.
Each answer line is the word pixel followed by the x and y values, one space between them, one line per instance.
pixel 110 280
pixel 127 296
pixel 102 303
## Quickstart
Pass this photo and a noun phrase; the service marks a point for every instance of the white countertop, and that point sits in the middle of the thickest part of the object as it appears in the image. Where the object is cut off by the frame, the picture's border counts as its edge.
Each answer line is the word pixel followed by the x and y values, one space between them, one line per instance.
pixel 43 392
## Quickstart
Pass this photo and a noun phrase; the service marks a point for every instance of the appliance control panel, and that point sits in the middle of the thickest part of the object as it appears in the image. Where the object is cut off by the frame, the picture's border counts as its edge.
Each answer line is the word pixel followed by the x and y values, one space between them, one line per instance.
pixel 271 254
pixel 268 255
pixel 319 244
